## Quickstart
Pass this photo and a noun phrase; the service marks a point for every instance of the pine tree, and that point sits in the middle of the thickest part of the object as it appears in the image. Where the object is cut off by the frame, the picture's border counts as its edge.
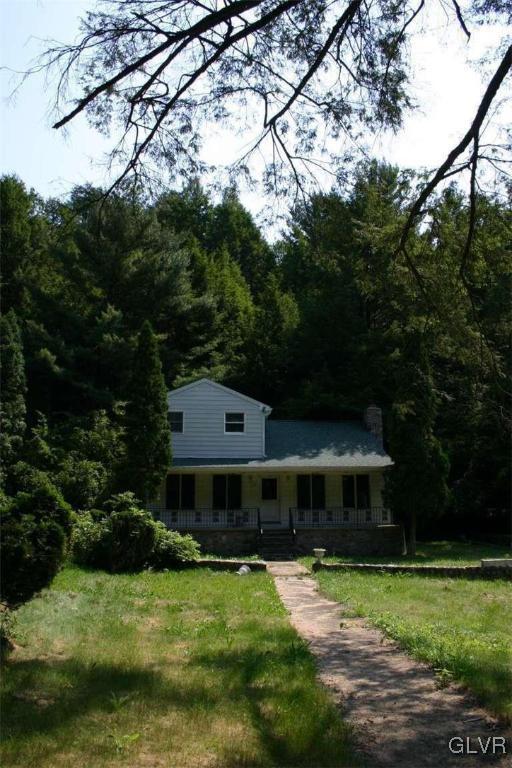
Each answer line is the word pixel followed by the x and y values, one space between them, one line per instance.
pixel 12 408
pixel 416 486
pixel 148 438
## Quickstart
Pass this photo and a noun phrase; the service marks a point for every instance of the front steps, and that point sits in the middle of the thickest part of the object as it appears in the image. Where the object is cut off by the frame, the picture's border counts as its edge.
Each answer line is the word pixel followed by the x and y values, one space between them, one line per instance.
pixel 276 544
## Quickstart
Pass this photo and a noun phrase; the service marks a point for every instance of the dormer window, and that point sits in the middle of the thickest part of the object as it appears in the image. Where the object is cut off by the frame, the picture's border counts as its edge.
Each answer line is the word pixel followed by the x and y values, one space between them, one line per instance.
pixel 234 422
pixel 176 421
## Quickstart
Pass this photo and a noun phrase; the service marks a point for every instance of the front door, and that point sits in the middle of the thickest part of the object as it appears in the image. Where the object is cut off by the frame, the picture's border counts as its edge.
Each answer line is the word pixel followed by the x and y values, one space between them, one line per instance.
pixel 269 500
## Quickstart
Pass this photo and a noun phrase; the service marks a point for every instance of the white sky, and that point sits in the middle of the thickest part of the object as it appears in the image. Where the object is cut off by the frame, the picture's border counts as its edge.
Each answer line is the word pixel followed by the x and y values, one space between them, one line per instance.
pixel 448 85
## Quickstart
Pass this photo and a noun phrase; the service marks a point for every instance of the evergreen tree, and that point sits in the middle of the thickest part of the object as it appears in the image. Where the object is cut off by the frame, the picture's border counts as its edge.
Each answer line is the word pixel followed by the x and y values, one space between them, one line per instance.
pixel 416 486
pixel 270 344
pixel 148 438
pixel 232 227
pixel 12 407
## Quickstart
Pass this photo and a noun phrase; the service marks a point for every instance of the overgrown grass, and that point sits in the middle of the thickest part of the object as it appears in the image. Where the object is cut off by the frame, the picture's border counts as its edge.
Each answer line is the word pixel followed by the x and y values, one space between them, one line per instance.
pixel 463 628
pixel 428 553
pixel 197 668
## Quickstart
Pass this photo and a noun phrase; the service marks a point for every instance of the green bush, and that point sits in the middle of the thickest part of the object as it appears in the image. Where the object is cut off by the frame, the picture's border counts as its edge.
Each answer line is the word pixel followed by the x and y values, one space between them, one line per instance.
pixel 7 630
pixel 120 541
pixel 82 481
pixel 34 529
pixel 90 540
pixel 127 539
pixel 132 538
pixel 24 477
pixel 172 549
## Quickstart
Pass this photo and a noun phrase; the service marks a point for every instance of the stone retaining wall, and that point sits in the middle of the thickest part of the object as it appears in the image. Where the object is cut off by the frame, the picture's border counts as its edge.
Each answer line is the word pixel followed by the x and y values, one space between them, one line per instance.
pixel 226 541
pixel 385 540
pixel 441 571
pixel 231 565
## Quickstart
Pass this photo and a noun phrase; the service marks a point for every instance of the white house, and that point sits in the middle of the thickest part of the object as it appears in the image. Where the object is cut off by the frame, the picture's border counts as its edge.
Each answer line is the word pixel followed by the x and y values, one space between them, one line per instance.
pixel 251 479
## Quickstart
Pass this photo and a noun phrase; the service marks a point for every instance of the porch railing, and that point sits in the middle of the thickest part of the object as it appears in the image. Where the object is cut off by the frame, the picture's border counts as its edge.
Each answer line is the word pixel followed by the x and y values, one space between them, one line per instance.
pixel 340 517
pixel 206 517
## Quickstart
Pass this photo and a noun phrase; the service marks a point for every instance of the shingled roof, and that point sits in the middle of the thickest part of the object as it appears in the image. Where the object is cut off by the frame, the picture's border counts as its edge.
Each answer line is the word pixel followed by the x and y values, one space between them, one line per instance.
pixel 309 445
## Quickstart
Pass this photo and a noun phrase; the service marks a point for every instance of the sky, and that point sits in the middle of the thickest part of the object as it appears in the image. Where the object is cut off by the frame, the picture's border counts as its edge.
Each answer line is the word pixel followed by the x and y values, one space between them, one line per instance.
pixel 448 83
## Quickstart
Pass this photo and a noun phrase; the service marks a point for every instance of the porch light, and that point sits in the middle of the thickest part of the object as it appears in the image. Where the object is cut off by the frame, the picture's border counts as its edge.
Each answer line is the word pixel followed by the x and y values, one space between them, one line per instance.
pixel 319 553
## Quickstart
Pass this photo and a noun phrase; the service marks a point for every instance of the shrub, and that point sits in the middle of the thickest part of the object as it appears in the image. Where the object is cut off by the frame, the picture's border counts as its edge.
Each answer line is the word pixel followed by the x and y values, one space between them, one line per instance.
pixel 7 630
pixel 34 528
pixel 172 549
pixel 120 541
pixel 90 540
pixel 81 481
pixel 127 539
pixel 121 502
pixel 132 538
pixel 24 477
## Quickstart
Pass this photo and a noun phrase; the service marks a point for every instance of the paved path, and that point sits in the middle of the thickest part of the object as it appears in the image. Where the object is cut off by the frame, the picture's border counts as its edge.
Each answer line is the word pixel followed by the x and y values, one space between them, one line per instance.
pixel 400 717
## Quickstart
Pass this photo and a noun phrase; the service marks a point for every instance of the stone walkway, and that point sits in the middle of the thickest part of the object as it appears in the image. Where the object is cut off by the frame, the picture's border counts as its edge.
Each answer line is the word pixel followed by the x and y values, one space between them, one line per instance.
pixel 400 717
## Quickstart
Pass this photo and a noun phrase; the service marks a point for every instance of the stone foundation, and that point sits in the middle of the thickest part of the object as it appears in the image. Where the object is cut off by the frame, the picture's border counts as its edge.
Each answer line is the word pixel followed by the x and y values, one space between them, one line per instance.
pixel 383 540
pixel 226 541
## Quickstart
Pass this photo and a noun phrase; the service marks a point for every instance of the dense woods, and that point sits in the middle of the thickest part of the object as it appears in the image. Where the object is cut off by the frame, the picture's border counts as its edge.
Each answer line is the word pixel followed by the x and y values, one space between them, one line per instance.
pixel 319 324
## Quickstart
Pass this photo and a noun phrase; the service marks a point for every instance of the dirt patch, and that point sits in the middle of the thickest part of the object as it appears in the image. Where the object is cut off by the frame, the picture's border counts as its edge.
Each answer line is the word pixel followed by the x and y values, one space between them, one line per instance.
pixel 401 717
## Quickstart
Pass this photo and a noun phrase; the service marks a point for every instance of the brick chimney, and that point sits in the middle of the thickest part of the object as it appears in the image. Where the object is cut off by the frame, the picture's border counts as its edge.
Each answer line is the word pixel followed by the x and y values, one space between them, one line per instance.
pixel 373 421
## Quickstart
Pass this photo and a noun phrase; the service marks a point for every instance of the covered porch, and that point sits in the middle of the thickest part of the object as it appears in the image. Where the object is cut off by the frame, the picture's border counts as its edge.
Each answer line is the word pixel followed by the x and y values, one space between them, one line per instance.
pixel 266 500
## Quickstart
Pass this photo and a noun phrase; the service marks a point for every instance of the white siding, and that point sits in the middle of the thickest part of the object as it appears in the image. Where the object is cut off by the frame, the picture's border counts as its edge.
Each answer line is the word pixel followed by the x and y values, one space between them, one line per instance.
pixel 203 435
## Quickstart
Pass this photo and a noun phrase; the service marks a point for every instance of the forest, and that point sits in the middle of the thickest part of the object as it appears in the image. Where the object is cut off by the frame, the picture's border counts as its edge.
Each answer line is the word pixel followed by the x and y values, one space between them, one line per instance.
pixel 319 323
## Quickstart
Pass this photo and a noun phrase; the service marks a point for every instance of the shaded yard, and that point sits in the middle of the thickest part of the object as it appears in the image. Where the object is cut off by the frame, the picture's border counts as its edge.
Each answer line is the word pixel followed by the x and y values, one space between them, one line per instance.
pixel 463 628
pixel 195 668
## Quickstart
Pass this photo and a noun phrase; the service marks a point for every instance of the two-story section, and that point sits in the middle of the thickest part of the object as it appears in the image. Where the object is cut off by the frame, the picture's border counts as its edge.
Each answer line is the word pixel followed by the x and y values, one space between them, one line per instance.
pixel 209 420
pixel 233 467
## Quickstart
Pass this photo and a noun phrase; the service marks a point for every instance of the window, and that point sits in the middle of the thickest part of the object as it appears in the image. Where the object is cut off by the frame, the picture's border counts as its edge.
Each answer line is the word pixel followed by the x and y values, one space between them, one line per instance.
pixel 234 422
pixel 269 489
pixel 311 491
pixel 227 491
pixel 363 491
pixel 349 492
pixel 176 421
pixel 356 491
pixel 180 492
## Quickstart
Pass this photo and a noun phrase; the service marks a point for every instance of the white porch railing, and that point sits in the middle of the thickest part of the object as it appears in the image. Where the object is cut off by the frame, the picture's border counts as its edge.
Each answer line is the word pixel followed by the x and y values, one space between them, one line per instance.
pixel 206 517
pixel 340 517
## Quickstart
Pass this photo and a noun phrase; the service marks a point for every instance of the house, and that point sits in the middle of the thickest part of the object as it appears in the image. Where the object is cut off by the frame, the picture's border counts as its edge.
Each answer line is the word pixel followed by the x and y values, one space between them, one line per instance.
pixel 241 481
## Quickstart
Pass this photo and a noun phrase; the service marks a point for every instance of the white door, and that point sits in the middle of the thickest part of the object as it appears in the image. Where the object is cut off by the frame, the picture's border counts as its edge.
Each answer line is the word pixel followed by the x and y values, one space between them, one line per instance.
pixel 269 499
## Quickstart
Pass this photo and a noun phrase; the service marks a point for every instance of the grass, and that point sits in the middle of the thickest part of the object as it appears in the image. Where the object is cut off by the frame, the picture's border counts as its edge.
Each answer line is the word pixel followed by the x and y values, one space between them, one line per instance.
pixel 196 668
pixel 462 627
pixel 428 553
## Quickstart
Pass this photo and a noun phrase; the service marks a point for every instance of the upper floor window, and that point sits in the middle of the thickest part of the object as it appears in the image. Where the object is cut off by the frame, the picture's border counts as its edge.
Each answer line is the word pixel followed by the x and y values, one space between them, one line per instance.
pixel 234 422
pixel 176 421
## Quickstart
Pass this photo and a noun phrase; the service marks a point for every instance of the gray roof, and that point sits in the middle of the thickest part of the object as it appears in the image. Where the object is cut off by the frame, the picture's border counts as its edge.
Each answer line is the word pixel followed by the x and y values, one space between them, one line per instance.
pixel 309 444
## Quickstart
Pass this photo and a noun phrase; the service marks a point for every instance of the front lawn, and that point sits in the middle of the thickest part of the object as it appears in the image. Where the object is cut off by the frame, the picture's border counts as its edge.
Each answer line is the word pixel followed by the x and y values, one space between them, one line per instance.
pixel 195 668
pixel 463 628
pixel 428 553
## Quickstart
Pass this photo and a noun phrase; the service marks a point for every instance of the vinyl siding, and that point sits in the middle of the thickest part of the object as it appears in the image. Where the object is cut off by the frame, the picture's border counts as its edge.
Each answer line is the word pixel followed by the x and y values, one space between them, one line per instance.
pixel 203 409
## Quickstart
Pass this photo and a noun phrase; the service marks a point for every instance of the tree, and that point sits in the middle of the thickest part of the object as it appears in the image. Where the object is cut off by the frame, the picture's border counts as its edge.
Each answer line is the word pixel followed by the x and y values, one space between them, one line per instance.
pixel 300 70
pixel 34 527
pixel 232 227
pixel 148 438
pixel 269 343
pixel 416 486
pixel 12 407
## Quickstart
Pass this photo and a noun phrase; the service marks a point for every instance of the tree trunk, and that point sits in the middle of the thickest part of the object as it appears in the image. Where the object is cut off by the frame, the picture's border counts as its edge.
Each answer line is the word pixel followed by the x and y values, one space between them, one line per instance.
pixel 411 533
